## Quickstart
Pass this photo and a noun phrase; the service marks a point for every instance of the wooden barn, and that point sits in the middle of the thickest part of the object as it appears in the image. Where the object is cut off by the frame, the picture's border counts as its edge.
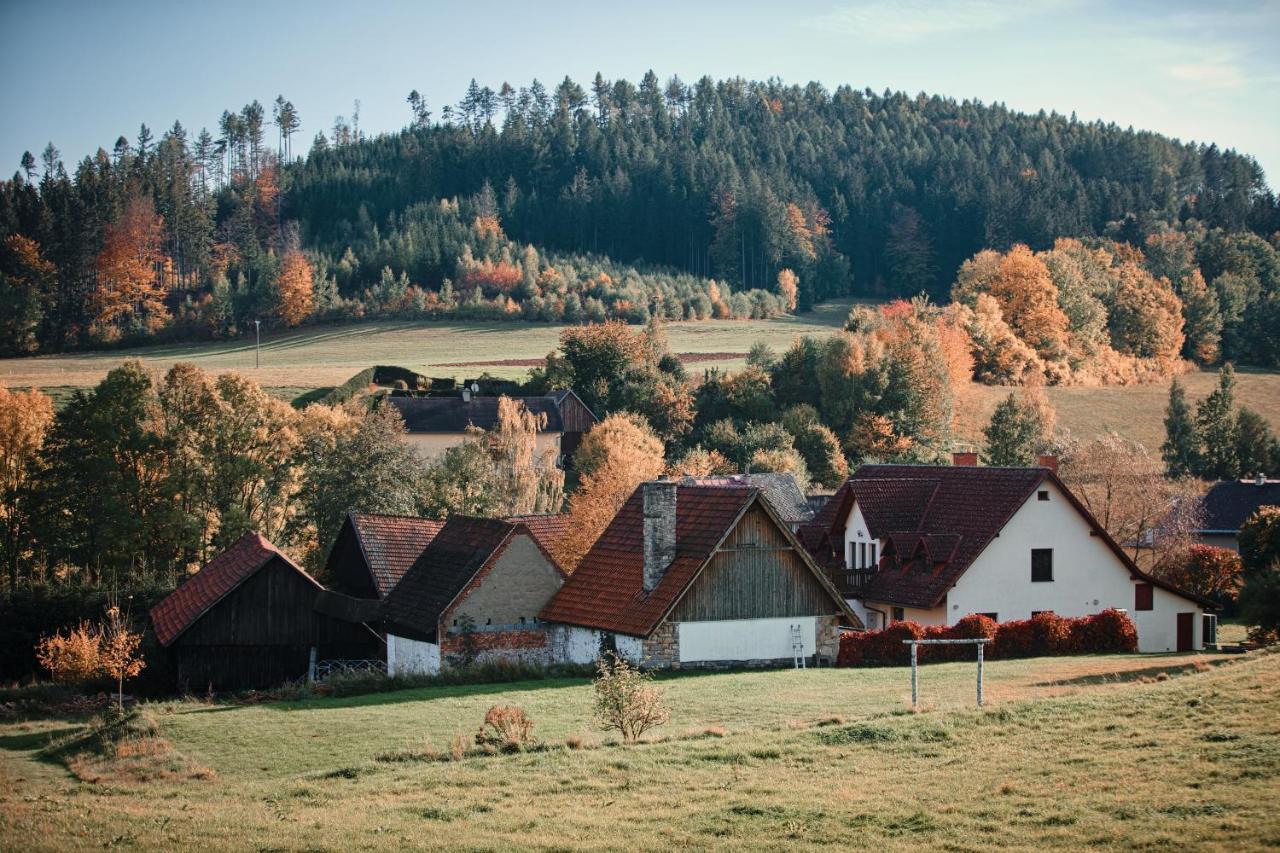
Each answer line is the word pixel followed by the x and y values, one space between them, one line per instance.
pixel 689 575
pixel 248 620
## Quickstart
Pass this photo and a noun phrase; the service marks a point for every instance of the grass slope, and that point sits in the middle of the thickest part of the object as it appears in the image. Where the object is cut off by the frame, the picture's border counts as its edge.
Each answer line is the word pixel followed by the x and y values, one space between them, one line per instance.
pixel 1176 752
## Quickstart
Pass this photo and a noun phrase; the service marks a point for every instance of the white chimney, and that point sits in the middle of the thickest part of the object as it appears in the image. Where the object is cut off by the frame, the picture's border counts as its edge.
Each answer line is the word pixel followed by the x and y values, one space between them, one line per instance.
pixel 659 530
pixel 466 394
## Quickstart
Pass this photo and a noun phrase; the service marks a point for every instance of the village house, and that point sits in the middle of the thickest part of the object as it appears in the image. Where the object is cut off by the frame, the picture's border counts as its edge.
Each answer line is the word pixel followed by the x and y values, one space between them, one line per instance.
pixel 247 620
pixel 434 424
pixel 1228 505
pixel 473 595
pixel 933 544
pixel 691 575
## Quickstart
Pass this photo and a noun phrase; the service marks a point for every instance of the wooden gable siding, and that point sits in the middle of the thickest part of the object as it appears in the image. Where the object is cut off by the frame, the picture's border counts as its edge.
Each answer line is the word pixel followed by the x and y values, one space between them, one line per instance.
pixel 347 570
pixel 575 416
pixel 274 607
pixel 756 574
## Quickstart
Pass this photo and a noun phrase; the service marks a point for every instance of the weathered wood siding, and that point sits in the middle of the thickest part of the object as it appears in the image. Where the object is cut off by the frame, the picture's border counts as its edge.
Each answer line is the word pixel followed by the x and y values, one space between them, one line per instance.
pixel 756 574
pixel 274 607
pixel 575 416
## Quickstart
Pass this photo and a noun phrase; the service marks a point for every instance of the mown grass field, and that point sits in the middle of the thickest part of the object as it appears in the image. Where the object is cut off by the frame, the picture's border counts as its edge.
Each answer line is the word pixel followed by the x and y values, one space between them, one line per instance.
pixel 295 362
pixel 1176 752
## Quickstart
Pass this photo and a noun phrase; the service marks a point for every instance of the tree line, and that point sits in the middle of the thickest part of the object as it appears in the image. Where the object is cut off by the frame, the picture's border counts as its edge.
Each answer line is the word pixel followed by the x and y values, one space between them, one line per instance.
pixel 615 201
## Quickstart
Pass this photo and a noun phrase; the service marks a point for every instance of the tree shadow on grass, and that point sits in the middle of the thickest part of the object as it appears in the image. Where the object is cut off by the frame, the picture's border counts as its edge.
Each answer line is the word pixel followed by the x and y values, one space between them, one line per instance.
pixel 28 741
pixel 1149 673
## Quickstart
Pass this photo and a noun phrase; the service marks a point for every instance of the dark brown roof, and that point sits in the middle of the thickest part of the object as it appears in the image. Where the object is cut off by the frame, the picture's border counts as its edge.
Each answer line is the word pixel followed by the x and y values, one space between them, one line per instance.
pixel 606 591
pixel 1228 505
pixel 461 549
pixel 180 609
pixel 453 414
pixel 390 544
pixel 946 515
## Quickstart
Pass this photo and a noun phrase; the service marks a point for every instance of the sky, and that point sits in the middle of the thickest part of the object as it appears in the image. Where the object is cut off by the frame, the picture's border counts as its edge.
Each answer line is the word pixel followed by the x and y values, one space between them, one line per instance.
pixel 80 74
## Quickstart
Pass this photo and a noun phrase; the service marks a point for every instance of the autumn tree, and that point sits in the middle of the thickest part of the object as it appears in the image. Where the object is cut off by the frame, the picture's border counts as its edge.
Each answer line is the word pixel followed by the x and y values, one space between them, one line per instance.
pixel 1204 570
pixel 295 287
pixel 118 649
pixel 789 287
pixel 1202 319
pixel 529 481
pixel 25 417
pixel 27 282
pixel 817 445
pixel 462 481
pixel 999 356
pixel 1020 282
pixel 132 272
pixel 1146 316
pixel 615 457
pixel 700 462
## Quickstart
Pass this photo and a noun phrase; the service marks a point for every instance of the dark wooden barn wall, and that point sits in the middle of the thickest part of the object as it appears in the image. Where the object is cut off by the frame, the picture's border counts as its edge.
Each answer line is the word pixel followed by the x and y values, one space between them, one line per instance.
pixel 347 570
pixel 755 575
pixel 262 633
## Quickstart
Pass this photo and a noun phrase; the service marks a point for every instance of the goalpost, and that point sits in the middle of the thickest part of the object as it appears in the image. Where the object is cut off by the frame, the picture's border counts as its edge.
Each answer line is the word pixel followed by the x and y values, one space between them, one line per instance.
pixel 915 670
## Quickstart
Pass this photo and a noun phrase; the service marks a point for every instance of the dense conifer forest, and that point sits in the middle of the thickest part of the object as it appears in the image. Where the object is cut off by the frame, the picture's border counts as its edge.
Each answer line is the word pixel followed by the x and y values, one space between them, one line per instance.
pixel 618 200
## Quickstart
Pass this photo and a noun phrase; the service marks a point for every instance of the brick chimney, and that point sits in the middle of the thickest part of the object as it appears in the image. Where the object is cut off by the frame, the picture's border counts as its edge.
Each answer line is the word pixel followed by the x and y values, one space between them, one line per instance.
pixel 1048 460
pixel 964 460
pixel 659 530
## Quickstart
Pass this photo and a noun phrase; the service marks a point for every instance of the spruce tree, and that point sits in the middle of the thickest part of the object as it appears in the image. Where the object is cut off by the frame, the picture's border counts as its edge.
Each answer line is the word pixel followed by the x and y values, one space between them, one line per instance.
pixel 1216 428
pixel 1012 435
pixel 1180 451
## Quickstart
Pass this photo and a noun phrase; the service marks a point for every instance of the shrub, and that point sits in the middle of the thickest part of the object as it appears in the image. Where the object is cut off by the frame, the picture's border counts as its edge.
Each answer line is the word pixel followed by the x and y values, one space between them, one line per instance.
pixel 626 699
pixel 1042 635
pixel 506 727
pixel 71 657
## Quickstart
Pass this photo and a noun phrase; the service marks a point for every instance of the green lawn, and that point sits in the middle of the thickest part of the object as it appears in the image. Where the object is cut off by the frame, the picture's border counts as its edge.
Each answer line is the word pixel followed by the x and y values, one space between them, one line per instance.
pixel 1171 751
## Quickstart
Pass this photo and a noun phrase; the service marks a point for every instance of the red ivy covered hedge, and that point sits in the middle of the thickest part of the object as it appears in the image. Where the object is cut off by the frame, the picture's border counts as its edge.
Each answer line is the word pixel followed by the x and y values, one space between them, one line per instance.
pixel 1045 634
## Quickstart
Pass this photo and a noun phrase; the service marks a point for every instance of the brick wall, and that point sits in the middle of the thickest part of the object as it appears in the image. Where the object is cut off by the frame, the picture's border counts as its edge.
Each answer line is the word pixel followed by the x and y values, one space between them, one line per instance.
pixel 523 646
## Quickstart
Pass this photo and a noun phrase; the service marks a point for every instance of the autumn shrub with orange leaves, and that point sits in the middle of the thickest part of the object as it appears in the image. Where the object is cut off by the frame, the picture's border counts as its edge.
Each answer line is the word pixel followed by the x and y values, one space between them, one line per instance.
pixel 88 651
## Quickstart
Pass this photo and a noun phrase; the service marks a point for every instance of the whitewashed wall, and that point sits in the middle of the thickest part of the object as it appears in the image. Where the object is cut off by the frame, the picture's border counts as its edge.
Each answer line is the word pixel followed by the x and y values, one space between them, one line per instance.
pixel 744 639
pixel 575 644
pixel 411 657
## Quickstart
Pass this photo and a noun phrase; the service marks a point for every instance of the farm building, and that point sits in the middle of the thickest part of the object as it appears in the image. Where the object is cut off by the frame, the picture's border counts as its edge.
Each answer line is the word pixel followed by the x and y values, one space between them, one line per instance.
pixel 434 424
pixel 932 544
pixel 688 576
pixel 372 552
pixel 1228 505
pixel 247 619
pixel 472 595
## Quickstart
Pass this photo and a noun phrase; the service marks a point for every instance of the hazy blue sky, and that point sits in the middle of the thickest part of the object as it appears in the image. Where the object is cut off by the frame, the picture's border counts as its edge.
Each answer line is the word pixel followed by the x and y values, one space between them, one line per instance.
pixel 82 73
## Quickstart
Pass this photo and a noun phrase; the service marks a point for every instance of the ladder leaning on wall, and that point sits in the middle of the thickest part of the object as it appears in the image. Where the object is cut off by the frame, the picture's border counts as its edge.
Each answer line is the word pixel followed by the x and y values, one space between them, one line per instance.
pixel 797 647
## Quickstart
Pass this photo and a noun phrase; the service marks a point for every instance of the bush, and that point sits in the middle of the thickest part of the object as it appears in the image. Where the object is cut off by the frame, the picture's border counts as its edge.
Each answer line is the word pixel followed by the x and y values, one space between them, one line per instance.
pixel 1042 635
pixel 626 699
pixel 506 727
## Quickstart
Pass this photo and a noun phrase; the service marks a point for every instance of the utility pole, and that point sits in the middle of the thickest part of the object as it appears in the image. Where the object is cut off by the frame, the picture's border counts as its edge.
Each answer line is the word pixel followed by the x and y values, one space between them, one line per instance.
pixel 257 344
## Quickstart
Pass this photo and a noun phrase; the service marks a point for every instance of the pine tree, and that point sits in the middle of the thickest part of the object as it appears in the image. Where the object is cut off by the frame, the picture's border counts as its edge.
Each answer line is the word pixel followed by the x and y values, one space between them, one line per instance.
pixel 1180 450
pixel 1013 434
pixel 1256 450
pixel 1216 429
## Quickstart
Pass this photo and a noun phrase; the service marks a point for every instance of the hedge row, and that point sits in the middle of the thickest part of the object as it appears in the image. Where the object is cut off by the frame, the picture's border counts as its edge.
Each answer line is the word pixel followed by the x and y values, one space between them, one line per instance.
pixel 1039 636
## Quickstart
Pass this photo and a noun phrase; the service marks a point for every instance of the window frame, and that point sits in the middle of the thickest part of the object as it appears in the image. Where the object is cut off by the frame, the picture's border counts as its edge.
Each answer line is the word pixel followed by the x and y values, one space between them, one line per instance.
pixel 1144 594
pixel 1044 553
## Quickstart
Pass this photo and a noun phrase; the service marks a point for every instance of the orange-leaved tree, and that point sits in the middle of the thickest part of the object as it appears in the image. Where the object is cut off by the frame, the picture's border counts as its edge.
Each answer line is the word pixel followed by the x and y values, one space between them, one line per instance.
pixel 789 287
pixel 295 288
pixel 132 272
pixel 25 417
pixel 119 650
pixel 529 479
pixel 619 454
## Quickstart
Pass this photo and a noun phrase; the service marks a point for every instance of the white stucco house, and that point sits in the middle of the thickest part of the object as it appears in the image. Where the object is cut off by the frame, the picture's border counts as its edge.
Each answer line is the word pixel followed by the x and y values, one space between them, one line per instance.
pixel 933 544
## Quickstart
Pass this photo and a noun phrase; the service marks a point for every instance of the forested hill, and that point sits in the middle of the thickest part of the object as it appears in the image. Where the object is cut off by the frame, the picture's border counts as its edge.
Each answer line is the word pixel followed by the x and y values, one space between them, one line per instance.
pixel 716 178
pixel 616 200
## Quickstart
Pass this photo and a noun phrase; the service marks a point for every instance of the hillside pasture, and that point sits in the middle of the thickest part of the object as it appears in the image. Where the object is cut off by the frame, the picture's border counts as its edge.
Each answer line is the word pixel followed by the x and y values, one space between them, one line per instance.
pixel 322 357
pixel 1122 751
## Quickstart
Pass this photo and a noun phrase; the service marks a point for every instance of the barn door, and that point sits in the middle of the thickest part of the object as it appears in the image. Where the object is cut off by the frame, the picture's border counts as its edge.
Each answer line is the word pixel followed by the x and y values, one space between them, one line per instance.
pixel 1186 629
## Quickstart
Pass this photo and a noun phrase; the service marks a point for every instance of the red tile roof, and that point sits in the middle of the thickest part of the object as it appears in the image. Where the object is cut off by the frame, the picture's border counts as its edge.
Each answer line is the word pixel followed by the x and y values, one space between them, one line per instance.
pixel 180 609
pixel 606 590
pixel 391 543
pixel 935 521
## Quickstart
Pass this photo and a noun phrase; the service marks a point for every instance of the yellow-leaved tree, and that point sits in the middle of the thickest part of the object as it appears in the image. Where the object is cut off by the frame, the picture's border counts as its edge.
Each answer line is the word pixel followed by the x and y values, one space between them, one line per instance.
pixel 25 417
pixel 295 288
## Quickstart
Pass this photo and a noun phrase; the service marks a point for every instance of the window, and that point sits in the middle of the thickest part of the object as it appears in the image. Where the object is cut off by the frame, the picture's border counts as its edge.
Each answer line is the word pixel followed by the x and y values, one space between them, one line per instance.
pixel 1035 613
pixel 1143 597
pixel 1041 565
pixel 899 614
pixel 1042 495
pixel 862 555
pixel 992 616
pixel 874 563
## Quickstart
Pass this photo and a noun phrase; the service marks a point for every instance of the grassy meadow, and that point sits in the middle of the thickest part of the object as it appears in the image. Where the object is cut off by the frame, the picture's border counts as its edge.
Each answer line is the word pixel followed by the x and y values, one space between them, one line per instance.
pixel 1177 751
pixel 322 357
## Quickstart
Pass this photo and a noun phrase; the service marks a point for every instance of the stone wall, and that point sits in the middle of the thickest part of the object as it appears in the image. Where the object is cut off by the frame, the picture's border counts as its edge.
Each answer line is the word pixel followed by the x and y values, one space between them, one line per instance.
pixel 661 650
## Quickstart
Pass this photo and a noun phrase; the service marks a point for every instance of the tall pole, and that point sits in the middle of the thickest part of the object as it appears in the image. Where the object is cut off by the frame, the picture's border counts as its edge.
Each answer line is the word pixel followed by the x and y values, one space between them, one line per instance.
pixel 257 344
pixel 980 645
pixel 915 678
